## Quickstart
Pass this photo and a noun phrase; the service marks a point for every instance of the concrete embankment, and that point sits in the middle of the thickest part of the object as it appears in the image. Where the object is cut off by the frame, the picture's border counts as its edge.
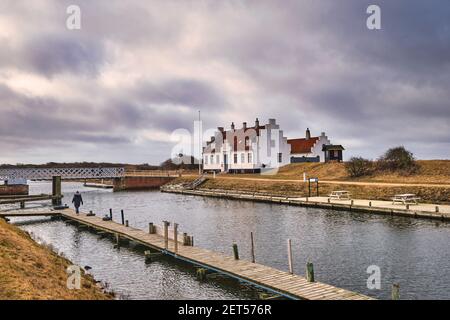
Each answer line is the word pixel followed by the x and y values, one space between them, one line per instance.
pixel 30 271
pixel 368 206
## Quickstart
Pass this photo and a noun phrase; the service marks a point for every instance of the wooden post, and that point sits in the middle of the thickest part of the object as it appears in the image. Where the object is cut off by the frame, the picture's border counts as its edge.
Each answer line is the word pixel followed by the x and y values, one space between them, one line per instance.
pixel 235 251
pixel 56 190
pixel 310 272
pixel 117 241
pixel 328 200
pixel 185 239
pixel 126 223
pixel 407 207
pixel 437 209
pixel 166 234
pixel 289 248
pixel 175 236
pixel 201 274
pixel 123 218
pixel 351 202
pixel 395 291
pixel 253 247
pixel 110 213
pixel 370 203
pixel 191 241
pixel 148 256
pixel 150 228
pixel 22 204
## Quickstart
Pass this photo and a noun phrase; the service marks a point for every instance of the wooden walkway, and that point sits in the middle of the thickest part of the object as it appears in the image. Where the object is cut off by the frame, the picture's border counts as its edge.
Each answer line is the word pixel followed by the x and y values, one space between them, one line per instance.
pixel 267 278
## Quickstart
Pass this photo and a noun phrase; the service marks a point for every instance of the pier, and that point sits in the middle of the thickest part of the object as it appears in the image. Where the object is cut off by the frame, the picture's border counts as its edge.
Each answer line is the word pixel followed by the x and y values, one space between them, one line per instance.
pixel 180 246
pixel 428 211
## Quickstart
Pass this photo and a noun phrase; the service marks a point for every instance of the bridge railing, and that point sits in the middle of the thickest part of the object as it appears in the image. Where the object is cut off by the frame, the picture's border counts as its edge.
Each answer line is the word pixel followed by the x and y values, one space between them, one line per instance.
pixel 64 173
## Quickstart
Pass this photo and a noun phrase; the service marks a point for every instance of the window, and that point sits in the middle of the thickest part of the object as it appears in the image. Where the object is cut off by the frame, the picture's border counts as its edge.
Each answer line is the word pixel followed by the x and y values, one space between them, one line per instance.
pixel 247 143
pixel 249 158
pixel 212 159
pixel 235 158
pixel 242 157
pixel 280 157
pixel 217 159
pixel 206 159
pixel 235 143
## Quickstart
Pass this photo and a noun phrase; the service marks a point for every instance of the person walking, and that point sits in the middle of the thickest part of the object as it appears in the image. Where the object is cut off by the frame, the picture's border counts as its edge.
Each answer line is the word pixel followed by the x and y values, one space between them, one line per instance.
pixel 77 201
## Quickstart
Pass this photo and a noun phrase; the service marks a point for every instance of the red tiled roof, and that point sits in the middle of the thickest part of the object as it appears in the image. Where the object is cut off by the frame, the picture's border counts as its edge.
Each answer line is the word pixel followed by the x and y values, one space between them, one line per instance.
pixel 302 145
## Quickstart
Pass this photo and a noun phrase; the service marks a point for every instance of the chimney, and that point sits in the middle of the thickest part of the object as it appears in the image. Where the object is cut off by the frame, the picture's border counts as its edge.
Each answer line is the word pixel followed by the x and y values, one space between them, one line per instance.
pixel 220 129
pixel 308 134
pixel 272 121
pixel 232 126
pixel 244 125
pixel 257 123
pixel 323 134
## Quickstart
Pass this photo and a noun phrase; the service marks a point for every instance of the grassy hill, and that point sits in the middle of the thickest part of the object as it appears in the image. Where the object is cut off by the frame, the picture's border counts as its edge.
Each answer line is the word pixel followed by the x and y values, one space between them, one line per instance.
pixel 29 271
pixel 430 171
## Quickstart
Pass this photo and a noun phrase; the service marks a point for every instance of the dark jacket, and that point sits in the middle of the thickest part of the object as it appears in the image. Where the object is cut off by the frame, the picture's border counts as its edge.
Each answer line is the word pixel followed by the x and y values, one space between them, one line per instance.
pixel 77 200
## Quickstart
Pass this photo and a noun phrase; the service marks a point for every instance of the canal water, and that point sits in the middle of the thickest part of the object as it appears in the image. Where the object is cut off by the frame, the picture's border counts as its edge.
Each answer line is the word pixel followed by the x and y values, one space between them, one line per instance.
pixel 412 252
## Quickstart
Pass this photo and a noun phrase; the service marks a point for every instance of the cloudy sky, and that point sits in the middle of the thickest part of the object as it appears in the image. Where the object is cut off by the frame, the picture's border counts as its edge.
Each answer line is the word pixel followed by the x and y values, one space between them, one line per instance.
pixel 138 70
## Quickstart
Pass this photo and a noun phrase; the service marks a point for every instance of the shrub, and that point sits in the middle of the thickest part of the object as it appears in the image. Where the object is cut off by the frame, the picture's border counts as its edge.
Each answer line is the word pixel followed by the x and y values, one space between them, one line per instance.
pixel 358 167
pixel 398 159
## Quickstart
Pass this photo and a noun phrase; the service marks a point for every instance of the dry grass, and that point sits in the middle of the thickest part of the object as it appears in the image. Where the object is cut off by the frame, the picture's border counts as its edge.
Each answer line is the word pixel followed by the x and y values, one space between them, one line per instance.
pixel 430 171
pixel 29 271
pixel 287 188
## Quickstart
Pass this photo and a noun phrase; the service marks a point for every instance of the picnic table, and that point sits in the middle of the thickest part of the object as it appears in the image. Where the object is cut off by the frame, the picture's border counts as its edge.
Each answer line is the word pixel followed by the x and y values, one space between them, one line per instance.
pixel 405 198
pixel 340 195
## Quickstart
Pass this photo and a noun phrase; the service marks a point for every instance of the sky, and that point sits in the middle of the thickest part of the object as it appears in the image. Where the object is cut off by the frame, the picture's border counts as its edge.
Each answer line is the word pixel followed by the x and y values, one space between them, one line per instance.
pixel 116 89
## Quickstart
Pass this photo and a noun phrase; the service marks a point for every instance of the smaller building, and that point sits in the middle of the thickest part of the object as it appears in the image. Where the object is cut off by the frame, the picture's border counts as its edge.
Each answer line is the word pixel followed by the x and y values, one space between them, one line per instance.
pixel 333 152
pixel 314 149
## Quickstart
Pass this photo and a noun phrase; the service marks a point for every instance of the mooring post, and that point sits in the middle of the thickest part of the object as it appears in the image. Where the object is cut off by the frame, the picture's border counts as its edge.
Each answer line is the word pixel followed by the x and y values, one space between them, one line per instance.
pixel 407 207
pixel 191 241
pixel 310 272
pixel 148 256
pixel 437 209
pixel 253 247
pixel 175 236
pixel 22 204
pixel 185 239
pixel 235 251
pixel 166 234
pixel 351 202
pixel 126 223
pixel 110 213
pixel 289 247
pixel 150 228
pixel 117 240
pixel 201 274
pixel 56 191
pixel 395 291
pixel 370 203
pixel 123 218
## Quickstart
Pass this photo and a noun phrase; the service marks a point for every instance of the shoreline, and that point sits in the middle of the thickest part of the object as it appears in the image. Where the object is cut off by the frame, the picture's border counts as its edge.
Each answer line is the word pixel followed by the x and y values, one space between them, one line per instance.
pixel 33 271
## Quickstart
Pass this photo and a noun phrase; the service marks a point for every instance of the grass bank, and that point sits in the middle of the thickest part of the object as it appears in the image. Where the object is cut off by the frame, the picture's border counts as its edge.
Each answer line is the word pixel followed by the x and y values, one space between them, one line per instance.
pixel 30 271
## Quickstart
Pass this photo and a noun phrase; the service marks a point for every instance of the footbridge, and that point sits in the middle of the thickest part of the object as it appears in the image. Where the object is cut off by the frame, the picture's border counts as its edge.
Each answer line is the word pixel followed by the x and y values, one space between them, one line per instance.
pixel 64 173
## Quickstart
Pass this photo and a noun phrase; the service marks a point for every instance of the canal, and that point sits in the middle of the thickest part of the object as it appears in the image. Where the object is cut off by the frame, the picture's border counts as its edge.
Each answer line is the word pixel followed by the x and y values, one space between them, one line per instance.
pixel 412 252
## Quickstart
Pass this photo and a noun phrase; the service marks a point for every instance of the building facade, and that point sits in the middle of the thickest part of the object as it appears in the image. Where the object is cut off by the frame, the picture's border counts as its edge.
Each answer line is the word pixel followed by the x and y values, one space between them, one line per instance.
pixel 248 149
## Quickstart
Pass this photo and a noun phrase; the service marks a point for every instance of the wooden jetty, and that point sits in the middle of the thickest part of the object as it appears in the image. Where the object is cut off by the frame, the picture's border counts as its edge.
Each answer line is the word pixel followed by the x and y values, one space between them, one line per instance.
pixel 267 278
pixel 428 211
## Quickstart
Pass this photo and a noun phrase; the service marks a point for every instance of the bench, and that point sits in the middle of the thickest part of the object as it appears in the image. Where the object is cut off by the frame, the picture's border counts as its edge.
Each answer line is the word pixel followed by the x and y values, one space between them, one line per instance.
pixel 407 198
pixel 340 195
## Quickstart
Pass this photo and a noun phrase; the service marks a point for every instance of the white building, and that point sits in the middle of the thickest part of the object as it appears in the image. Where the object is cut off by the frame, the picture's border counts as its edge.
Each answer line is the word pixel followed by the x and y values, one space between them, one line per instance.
pixel 314 149
pixel 249 149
